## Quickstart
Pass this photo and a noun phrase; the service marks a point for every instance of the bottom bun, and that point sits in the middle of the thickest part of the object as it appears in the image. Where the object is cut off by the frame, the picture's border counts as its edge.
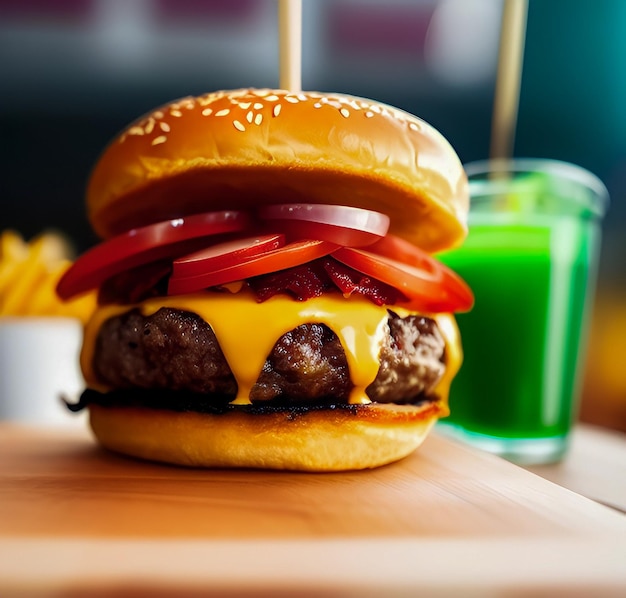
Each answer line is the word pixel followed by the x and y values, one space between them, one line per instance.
pixel 357 437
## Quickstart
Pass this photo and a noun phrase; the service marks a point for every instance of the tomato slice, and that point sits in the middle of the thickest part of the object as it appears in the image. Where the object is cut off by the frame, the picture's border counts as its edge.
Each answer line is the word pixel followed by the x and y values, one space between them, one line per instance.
pixel 288 256
pixel 401 250
pixel 429 285
pixel 139 246
pixel 343 225
pixel 222 255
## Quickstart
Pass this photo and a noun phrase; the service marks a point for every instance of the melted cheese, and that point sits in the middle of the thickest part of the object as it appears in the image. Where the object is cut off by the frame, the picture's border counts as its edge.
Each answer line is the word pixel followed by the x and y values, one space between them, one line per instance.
pixel 247 332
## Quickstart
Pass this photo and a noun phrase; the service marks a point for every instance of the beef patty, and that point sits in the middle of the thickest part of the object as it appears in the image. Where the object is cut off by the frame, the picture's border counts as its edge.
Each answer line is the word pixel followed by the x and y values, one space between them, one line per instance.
pixel 178 350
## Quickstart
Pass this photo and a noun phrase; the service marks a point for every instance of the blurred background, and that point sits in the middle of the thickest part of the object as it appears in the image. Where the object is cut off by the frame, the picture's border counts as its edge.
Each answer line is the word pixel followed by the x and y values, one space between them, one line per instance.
pixel 74 72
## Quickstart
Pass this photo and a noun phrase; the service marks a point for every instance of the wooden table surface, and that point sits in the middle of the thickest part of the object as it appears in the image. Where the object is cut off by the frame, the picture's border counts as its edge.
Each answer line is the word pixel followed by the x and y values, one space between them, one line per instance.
pixel 76 520
pixel 595 466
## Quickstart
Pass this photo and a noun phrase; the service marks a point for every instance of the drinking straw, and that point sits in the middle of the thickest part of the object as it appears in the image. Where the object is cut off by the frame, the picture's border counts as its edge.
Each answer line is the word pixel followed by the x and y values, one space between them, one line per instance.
pixel 290 43
pixel 508 78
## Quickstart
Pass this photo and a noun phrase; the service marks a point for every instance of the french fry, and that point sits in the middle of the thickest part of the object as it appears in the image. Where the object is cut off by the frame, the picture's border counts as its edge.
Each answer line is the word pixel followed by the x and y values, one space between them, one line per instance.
pixel 12 246
pixel 29 273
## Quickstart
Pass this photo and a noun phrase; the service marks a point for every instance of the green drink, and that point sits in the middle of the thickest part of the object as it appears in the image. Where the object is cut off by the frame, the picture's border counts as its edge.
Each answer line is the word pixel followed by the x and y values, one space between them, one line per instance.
pixel 530 258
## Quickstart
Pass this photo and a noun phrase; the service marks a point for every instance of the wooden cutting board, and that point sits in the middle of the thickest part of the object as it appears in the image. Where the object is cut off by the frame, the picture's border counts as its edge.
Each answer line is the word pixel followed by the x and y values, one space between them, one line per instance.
pixel 76 519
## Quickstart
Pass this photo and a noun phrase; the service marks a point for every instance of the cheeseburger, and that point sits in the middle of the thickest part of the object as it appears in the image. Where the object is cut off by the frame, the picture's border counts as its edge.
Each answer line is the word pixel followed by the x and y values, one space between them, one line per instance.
pixel 267 292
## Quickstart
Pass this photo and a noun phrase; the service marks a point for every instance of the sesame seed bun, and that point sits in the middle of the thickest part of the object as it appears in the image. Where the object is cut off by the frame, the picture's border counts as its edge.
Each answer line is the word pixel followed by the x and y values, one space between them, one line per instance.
pixel 362 437
pixel 236 149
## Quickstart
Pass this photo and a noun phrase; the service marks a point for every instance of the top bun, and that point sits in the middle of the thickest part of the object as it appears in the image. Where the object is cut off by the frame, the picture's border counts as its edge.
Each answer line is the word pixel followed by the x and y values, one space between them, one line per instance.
pixel 236 149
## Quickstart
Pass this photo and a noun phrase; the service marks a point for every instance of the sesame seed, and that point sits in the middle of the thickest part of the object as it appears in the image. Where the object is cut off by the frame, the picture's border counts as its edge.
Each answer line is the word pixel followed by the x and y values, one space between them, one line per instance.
pixel 239 126
pixel 258 119
pixel 135 131
pixel 245 105
pixel 271 98
pixel 158 114
pixel 149 126
pixel 223 112
pixel 317 105
pixel 302 97
pixel 292 99
pixel 207 112
pixel 158 140
pixel 413 127
pixel 261 93
pixel 176 113
pixel 276 110
pixel 250 116
pixel 369 114
pixel 344 112
pixel 258 106
pixel 164 127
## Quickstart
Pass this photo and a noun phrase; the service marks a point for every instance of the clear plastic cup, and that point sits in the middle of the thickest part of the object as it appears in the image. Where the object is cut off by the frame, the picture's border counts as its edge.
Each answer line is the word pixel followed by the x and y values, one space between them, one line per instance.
pixel 531 258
